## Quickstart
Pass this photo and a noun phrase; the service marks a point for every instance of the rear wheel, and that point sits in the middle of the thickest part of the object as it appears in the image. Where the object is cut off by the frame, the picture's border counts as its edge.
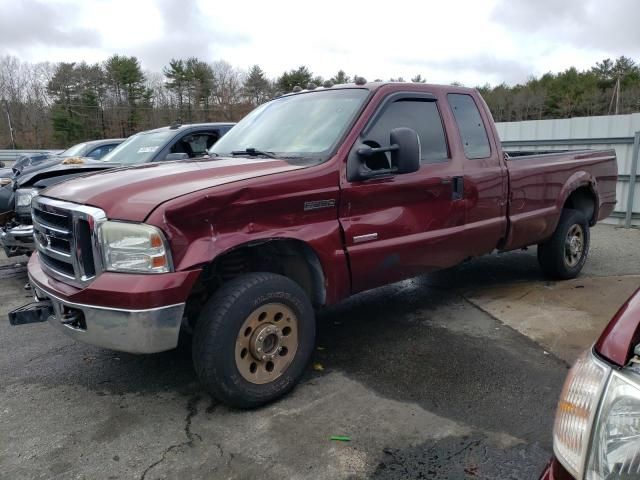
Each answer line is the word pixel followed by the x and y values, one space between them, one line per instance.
pixel 254 339
pixel 565 253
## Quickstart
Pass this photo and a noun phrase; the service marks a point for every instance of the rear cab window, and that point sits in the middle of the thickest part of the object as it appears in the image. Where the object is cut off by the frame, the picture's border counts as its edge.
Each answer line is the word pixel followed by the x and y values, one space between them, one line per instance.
pixel 473 132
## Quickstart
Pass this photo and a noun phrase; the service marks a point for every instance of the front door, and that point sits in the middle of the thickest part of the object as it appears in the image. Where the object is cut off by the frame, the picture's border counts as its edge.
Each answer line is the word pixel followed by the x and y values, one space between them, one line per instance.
pixel 399 226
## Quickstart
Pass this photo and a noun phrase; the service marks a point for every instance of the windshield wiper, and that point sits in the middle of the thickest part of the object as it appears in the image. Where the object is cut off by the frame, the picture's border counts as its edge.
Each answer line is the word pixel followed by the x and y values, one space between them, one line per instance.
pixel 252 152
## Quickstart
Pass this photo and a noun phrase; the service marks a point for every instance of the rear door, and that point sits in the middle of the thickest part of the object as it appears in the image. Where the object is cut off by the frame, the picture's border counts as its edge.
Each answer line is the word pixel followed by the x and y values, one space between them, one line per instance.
pixel 399 226
pixel 485 177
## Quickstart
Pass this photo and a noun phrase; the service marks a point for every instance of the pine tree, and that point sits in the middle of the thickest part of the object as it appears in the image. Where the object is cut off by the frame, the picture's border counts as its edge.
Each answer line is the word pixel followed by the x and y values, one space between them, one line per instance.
pixel 257 87
pixel 126 81
pixel 298 77
pixel 340 77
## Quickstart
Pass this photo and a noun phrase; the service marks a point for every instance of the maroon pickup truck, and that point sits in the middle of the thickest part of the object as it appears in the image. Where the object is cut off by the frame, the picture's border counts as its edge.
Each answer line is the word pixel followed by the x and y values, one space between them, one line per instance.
pixel 596 435
pixel 313 197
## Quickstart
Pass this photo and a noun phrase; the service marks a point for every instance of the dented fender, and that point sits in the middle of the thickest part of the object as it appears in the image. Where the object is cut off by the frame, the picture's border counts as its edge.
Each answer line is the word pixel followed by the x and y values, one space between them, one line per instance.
pixel 297 205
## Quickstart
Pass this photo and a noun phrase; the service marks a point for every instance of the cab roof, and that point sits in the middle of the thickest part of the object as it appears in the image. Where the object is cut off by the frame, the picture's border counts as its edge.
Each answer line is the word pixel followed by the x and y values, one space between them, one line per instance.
pixel 394 86
pixel 178 127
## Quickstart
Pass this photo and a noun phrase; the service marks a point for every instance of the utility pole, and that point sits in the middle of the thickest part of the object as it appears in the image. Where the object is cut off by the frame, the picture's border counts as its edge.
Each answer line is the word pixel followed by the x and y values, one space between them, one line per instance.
pixel 617 94
pixel 13 141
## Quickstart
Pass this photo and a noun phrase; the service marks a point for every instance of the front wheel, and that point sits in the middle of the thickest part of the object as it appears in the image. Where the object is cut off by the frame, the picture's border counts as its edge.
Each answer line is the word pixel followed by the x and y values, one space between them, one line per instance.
pixel 565 253
pixel 254 339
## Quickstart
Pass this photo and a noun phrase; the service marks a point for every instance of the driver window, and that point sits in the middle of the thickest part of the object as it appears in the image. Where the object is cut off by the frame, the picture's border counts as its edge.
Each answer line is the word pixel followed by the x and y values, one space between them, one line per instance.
pixel 421 116
pixel 195 144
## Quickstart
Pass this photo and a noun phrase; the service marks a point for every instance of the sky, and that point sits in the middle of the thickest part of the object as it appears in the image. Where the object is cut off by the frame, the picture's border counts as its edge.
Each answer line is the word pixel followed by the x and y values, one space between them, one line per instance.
pixel 474 42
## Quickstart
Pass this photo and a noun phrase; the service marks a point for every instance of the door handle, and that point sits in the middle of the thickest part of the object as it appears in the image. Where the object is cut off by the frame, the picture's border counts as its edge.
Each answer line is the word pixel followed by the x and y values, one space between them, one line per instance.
pixel 457 192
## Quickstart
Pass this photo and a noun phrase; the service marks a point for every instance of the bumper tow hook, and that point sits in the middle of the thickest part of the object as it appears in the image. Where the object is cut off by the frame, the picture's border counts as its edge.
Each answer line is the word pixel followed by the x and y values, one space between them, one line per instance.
pixel 33 312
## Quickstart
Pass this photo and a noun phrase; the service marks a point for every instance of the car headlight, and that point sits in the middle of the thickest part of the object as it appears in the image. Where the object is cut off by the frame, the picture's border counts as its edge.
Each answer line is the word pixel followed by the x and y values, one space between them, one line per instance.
pixel 24 197
pixel 5 181
pixel 615 451
pixel 577 408
pixel 134 247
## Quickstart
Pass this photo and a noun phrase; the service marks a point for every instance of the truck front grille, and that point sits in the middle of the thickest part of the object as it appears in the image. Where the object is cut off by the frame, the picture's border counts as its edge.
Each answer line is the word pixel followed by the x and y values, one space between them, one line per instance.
pixel 65 236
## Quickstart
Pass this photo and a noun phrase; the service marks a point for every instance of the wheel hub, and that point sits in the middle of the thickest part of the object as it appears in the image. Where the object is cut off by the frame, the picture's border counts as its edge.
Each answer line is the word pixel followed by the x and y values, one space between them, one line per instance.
pixel 574 245
pixel 265 342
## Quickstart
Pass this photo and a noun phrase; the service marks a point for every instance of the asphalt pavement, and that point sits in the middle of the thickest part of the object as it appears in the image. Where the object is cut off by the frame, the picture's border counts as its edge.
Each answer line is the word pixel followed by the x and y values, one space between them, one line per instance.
pixel 450 375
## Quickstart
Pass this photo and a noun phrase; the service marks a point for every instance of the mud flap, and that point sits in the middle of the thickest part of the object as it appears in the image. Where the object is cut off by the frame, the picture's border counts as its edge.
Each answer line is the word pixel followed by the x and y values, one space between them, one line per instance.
pixel 33 312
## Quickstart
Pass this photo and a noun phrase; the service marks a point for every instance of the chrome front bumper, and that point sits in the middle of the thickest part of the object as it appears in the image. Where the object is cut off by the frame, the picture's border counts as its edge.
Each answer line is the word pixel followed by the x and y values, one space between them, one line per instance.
pixel 17 240
pixel 134 331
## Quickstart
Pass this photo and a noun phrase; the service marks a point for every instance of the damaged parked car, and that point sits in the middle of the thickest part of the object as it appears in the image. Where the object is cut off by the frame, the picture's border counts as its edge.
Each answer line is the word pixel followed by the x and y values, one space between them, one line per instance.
pixel 177 142
pixel 596 435
pixel 31 162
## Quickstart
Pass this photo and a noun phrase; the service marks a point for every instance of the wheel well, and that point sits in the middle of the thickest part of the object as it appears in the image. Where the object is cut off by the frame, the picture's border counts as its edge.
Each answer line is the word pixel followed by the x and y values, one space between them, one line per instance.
pixel 291 258
pixel 584 200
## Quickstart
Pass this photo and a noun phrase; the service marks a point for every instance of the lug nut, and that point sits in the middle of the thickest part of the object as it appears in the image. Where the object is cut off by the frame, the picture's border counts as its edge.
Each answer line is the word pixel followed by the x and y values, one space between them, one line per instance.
pixel 261 338
pixel 259 349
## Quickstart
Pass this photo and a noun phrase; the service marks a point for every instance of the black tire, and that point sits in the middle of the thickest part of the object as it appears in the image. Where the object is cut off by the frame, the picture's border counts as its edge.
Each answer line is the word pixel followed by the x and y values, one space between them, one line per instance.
pixel 218 327
pixel 553 253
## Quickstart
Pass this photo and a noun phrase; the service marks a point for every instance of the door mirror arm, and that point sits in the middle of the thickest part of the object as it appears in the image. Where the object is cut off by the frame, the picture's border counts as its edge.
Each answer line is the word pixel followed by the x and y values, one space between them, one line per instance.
pixel 370 151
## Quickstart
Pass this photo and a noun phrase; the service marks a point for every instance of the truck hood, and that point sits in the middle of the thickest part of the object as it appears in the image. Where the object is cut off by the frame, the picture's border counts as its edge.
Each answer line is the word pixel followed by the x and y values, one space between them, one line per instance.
pixel 50 169
pixel 131 193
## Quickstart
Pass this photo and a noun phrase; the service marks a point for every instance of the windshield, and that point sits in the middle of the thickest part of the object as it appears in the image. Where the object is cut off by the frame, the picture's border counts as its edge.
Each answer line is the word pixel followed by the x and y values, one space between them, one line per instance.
pixel 75 151
pixel 139 148
pixel 304 125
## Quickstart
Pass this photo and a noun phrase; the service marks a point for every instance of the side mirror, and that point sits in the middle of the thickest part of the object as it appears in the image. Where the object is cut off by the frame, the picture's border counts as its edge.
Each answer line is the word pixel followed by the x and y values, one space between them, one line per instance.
pixel 176 156
pixel 405 156
pixel 406 159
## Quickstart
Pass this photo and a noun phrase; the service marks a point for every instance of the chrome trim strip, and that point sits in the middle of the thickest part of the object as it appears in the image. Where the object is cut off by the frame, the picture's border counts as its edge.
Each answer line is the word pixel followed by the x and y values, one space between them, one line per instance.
pixel 21 231
pixel 46 226
pixel 365 238
pixel 57 274
pixel 56 215
pixel 52 252
pixel 97 307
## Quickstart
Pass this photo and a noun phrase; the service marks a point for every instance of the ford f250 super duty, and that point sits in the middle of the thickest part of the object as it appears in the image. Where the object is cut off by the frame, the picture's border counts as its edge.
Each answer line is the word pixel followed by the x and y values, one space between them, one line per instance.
pixel 312 197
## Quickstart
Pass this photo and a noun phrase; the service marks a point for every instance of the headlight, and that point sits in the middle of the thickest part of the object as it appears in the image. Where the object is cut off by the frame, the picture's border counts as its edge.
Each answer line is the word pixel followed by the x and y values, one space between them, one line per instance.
pixel 134 247
pixel 24 197
pixel 615 451
pixel 5 181
pixel 576 409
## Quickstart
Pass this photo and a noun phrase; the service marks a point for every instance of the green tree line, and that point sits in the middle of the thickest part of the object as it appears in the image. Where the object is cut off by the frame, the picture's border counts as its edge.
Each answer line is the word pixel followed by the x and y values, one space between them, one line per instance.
pixel 58 104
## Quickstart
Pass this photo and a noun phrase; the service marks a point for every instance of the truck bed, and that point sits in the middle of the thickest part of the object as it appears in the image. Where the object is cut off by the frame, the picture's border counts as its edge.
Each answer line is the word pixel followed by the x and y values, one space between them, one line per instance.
pixel 539 185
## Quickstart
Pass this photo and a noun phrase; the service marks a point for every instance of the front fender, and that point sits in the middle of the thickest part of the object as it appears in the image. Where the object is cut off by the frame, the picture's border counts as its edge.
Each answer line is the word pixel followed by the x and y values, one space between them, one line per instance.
pixel 322 238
